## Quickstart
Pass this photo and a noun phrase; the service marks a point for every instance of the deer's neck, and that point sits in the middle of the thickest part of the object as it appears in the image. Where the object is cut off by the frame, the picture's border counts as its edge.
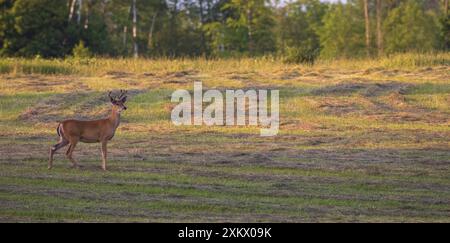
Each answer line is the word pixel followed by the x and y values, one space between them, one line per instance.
pixel 114 118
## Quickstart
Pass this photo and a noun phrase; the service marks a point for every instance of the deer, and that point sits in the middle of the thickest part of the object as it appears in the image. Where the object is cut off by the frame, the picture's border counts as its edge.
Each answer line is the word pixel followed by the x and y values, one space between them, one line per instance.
pixel 70 132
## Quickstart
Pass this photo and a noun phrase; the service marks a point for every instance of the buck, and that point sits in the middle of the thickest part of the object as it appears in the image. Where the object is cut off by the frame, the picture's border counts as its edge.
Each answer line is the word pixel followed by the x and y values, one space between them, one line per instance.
pixel 71 132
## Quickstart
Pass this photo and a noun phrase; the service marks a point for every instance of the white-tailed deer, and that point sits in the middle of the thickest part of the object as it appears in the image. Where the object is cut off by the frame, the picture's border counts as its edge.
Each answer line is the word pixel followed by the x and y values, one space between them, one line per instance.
pixel 97 131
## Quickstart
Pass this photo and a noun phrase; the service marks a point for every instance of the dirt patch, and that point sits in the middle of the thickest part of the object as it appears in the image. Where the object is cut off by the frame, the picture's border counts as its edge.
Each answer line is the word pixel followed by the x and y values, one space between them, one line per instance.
pixel 396 100
pixel 338 107
pixel 181 74
pixel 300 124
pixel 389 73
pixel 239 77
pixel 178 78
pixel 83 105
pixel 175 82
pixel 372 70
pixel 50 109
pixel 339 89
pixel 312 74
pixel 392 87
pixel 402 117
pixel 247 77
pixel 147 74
pixel 427 69
pixel 412 116
pixel 290 75
pixel 367 90
pixel 260 159
pixel 39 83
pixel 117 75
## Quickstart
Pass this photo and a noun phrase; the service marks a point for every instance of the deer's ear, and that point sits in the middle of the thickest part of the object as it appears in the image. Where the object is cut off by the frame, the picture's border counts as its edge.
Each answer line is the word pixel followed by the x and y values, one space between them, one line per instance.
pixel 124 99
pixel 111 99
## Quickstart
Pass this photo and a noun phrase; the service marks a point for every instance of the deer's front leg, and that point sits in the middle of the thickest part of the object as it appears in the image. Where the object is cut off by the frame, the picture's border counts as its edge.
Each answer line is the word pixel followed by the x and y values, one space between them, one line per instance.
pixel 69 152
pixel 55 148
pixel 104 143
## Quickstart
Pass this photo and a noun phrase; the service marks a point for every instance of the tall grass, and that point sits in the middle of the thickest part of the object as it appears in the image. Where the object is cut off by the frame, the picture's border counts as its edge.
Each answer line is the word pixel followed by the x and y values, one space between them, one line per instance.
pixel 396 61
pixel 35 66
pixel 103 66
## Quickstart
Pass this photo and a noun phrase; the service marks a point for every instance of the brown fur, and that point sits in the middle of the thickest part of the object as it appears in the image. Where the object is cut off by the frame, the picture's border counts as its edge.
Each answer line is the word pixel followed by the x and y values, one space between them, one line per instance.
pixel 96 131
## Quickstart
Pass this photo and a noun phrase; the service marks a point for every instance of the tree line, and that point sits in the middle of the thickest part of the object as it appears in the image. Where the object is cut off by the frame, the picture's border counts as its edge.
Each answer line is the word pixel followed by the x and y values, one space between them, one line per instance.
pixel 299 30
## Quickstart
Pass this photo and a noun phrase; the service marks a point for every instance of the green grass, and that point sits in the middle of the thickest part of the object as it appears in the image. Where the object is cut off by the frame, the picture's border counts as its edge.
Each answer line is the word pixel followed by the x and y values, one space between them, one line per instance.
pixel 102 66
pixel 379 153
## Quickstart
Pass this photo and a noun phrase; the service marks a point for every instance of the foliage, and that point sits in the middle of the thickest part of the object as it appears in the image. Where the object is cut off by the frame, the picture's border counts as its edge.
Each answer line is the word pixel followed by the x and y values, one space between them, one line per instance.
pixel 409 28
pixel 35 28
pixel 342 34
pixel 299 31
pixel 298 35
pixel 80 51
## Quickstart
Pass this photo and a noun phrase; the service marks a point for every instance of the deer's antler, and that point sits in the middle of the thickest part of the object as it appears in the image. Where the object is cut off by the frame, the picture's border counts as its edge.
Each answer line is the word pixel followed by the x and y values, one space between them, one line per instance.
pixel 122 94
pixel 109 95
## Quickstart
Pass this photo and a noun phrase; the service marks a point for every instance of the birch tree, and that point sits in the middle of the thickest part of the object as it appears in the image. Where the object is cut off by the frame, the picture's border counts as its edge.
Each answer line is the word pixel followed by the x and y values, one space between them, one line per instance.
pixel 135 45
pixel 367 23
pixel 80 6
pixel 150 33
pixel 72 9
pixel 379 28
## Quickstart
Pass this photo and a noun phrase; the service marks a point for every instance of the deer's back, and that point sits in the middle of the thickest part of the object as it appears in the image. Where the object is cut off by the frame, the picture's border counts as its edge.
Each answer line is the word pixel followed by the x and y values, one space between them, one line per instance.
pixel 86 131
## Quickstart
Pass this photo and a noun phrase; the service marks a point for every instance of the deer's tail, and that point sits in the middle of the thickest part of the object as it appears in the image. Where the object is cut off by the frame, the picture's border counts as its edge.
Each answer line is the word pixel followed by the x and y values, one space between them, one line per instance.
pixel 58 130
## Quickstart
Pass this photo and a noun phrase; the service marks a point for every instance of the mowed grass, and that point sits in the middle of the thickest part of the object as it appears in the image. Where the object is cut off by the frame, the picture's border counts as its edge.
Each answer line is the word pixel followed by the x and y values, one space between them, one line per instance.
pixel 359 141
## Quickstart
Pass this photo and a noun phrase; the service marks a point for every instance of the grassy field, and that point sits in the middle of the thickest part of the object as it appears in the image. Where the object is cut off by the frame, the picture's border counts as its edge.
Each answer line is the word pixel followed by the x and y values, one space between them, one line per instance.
pixel 359 141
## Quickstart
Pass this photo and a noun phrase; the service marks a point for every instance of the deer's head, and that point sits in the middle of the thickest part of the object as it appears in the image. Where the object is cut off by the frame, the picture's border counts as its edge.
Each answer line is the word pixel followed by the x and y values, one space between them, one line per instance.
pixel 119 101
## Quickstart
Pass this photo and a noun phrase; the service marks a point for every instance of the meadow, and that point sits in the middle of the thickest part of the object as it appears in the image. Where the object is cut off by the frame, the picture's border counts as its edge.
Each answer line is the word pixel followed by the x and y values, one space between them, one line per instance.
pixel 359 141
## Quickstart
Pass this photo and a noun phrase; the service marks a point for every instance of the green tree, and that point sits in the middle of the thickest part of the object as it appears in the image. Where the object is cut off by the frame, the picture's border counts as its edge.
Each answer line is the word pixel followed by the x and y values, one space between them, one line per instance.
pixel 342 34
pixel 247 28
pixel 298 26
pixel 179 32
pixel 80 51
pixel 409 28
pixel 6 26
pixel 38 28
pixel 445 32
pixel 298 30
pixel 41 27
pixel 92 29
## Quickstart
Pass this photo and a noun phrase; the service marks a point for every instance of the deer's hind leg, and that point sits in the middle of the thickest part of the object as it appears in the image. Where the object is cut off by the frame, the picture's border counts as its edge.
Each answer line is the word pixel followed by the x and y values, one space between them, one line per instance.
pixel 62 142
pixel 69 152
pixel 104 143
